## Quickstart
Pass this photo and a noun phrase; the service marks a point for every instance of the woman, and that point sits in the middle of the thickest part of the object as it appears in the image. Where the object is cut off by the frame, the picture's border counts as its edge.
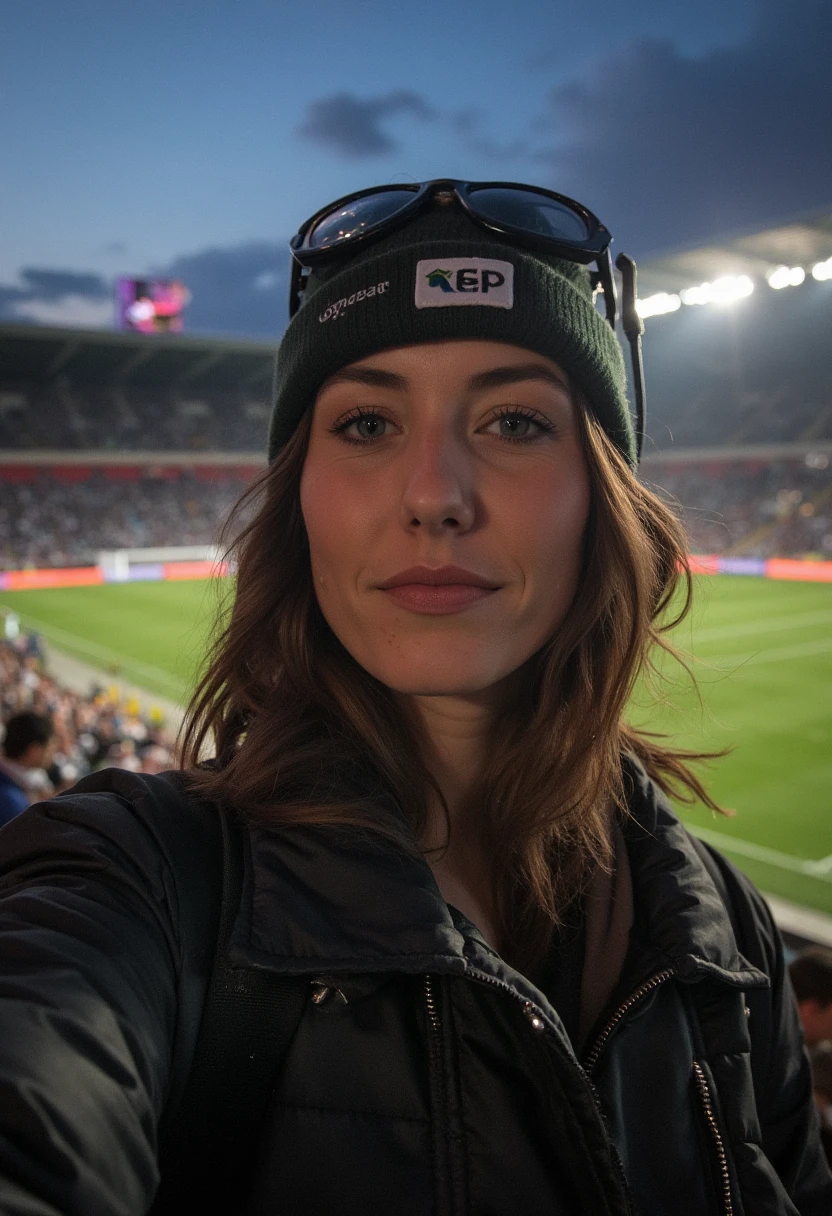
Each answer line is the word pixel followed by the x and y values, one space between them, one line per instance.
pixel 529 989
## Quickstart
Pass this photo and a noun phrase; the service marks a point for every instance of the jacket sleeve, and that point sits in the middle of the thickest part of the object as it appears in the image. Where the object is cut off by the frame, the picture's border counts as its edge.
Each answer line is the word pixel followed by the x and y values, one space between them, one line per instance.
pixel 88 1002
pixel 781 1070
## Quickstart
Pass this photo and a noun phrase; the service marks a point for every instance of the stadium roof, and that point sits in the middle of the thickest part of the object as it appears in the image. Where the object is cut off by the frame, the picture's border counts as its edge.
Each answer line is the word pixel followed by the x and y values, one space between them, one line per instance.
pixel 34 353
pixel 802 243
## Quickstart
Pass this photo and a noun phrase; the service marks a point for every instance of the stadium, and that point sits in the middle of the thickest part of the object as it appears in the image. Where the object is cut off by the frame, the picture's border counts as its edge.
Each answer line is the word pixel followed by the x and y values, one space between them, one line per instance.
pixel 121 453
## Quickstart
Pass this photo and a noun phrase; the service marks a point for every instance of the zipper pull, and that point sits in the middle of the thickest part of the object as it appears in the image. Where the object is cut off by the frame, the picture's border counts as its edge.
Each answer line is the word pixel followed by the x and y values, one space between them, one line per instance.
pixel 533 1014
pixel 326 994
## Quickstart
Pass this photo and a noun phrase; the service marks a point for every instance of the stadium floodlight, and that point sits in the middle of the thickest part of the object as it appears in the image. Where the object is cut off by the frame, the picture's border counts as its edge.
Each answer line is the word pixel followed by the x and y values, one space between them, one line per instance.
pixel 661 302
pixel 786 276
pixel 696 295
pixel 822 270
pixel 725 290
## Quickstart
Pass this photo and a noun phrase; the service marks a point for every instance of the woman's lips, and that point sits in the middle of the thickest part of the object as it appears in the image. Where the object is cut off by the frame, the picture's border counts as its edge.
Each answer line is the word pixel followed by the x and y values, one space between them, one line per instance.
pixel 437 600
pixel 437 590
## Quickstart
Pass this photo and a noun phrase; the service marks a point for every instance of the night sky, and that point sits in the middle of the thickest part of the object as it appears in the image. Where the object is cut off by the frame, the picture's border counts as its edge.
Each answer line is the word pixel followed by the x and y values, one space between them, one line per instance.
pixel 190 138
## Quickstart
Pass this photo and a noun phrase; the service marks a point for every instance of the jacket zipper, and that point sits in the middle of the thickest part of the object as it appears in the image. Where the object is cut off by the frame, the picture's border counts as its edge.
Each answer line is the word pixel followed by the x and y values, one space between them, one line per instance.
pixel 538 1024
pixel 591 1057
pixel 703 1089
pixel 439 1100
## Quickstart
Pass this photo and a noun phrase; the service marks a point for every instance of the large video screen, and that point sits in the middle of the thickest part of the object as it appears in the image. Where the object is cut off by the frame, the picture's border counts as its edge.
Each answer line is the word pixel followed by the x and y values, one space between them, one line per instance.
pixel 151 306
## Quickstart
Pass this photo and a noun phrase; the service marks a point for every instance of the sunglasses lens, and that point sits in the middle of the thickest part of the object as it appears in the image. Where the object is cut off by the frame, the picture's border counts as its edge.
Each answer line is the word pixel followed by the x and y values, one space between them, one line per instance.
pixel 531 212
pixel 357 217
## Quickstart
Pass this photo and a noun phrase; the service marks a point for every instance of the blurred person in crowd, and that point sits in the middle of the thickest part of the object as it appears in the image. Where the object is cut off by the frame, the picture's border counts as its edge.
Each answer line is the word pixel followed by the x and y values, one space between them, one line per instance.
pixel 811 976
pixel 156 759
pixel 28 746
pixel 820 1057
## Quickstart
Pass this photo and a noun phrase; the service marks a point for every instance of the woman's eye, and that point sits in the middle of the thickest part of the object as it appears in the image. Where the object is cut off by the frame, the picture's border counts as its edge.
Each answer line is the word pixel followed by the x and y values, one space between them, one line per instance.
pixel 363 428
pixel 517 424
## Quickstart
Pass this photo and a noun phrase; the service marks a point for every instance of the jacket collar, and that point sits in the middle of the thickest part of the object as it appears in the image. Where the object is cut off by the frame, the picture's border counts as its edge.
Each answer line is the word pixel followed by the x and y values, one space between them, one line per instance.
pixel 682 914
pixel 325 901
pixel 321 900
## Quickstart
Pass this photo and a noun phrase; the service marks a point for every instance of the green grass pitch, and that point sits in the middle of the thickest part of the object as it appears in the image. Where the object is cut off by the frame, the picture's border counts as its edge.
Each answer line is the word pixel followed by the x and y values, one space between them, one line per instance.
pixel 763 662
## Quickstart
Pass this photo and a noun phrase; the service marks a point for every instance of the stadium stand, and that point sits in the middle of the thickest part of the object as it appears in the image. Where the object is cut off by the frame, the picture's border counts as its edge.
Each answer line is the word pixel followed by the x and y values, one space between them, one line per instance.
pixel 777 504
pixel 114 440
pixel 66 417
pixel 758 373
pixel 66 515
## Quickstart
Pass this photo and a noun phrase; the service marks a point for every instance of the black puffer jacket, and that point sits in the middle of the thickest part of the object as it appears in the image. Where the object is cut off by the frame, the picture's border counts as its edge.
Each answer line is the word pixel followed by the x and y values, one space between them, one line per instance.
pixel 440 1080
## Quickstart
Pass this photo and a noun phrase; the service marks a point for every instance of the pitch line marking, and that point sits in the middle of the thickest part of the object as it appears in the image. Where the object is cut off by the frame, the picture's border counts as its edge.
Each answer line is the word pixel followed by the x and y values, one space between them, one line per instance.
pixel 102 653
pixel 778 654
pixel 801 620
pixel 821 870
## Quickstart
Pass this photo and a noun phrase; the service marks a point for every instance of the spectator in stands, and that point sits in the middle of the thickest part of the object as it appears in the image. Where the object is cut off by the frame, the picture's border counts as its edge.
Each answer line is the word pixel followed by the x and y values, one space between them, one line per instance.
pixel 820 1058
pixel 811 976
pixel 27 752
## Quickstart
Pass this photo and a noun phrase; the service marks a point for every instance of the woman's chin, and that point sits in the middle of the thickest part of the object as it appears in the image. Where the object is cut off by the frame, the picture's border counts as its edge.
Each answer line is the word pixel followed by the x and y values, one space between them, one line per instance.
pixel 440 679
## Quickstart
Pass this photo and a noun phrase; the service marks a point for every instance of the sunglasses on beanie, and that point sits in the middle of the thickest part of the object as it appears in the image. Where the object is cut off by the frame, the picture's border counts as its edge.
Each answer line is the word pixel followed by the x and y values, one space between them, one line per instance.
pixel 529 216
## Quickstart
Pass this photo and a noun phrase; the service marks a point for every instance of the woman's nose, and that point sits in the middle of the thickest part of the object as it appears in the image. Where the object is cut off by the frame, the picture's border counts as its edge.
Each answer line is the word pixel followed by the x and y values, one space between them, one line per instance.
pixel 438 491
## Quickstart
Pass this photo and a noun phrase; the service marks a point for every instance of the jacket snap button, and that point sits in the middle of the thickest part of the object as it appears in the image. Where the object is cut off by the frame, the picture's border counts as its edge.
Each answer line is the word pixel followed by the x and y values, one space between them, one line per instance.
pixel 533 1014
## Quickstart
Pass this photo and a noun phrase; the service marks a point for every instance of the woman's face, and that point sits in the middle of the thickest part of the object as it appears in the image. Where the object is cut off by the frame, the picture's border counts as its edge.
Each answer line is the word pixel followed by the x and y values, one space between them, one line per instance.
pixel 445 496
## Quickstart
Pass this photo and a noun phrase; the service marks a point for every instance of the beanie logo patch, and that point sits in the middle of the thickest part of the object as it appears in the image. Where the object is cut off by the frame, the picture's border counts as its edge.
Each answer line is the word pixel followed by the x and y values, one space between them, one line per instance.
pixel 464 281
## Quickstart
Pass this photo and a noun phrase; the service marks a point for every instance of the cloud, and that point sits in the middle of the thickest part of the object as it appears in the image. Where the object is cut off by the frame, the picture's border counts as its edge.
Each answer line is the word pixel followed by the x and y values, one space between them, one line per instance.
pixel 70 310
pixel 353 128
pixel 237 290
pixel 57 297
pixel 468 125
pixel 56 284
pixel 670 150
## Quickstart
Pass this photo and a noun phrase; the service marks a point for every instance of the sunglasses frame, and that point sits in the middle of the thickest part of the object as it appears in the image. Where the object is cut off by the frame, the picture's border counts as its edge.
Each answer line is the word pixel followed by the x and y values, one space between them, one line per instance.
pixel 585 251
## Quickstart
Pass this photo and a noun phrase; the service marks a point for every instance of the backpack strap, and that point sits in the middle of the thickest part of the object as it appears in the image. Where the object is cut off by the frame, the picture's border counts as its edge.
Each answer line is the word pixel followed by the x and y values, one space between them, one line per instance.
pixel 249 1018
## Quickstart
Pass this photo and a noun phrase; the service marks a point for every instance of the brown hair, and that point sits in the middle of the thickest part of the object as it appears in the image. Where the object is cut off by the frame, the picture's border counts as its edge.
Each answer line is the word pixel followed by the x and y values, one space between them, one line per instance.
pixel 305 736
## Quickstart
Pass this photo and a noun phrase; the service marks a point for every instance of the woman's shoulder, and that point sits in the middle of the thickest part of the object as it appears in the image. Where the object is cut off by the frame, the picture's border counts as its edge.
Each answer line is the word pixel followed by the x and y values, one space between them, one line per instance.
pixel 140 828
pixel 653 825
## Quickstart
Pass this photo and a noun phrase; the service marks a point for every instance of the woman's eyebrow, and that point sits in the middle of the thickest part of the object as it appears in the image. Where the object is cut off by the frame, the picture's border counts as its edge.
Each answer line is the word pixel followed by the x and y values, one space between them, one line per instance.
pixel 495 377
pixel 375 377
pixel 498 377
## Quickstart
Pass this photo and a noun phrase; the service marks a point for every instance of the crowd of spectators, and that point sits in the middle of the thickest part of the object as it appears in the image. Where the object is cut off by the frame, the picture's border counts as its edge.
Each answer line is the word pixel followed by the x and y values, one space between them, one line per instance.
pixel 49 522
pixel 101 729
pixel 59 417
pixel 753 508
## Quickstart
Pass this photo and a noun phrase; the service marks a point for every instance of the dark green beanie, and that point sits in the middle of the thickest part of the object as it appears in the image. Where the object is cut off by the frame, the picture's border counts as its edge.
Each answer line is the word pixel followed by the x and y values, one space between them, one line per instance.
pixel 409 288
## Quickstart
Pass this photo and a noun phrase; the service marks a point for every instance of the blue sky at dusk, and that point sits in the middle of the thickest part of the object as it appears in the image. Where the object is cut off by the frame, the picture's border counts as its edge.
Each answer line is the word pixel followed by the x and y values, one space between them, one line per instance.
pixel 191 138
